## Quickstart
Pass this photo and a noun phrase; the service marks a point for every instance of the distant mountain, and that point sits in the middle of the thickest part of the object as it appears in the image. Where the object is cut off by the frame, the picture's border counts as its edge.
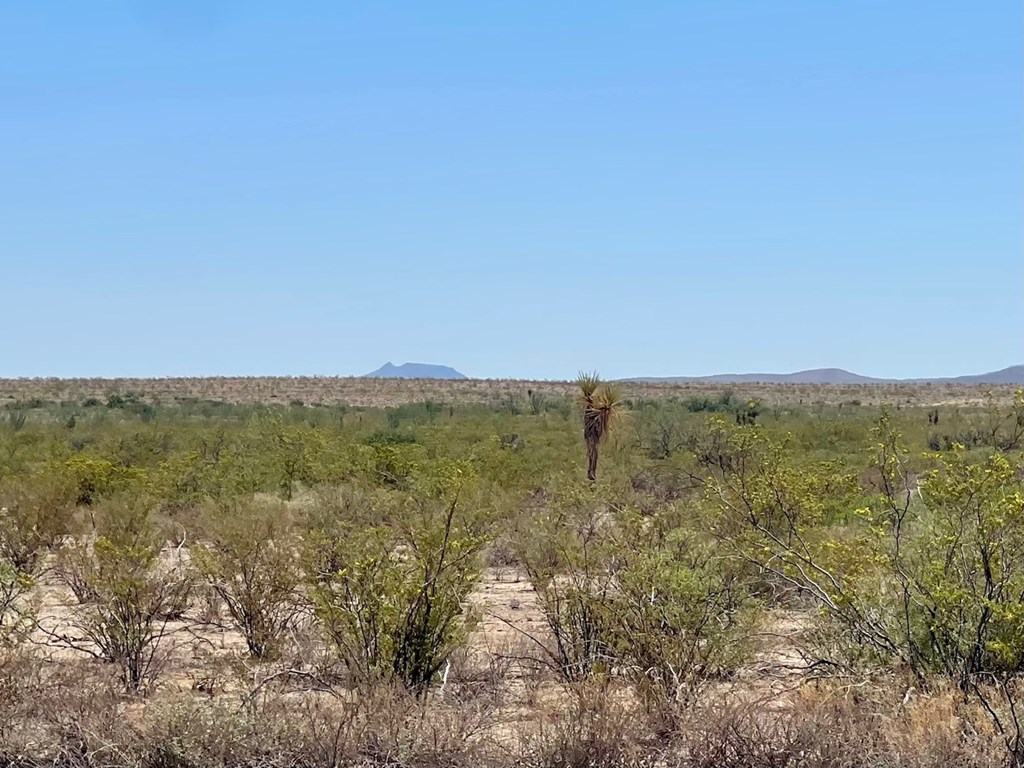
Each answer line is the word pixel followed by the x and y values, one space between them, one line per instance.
pixel 1012 375
pixel 415 371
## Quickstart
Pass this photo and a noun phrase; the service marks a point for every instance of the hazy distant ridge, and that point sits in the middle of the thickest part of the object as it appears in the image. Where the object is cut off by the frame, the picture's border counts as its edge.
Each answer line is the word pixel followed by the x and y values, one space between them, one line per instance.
pixel 414 371
pixel 1012 375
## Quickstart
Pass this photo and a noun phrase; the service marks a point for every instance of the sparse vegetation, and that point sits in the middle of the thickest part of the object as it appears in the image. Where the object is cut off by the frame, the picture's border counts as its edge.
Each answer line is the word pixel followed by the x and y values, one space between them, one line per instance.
pixel 249 559
pixel 196 582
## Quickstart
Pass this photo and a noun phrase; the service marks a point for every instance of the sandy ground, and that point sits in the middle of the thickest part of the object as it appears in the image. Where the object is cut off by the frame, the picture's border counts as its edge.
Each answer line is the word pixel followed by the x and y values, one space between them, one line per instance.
pixel 505 642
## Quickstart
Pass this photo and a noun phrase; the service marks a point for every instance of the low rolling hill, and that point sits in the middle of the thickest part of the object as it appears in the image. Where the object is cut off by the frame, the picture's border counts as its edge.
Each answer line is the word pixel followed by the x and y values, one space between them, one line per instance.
pixel 1012 375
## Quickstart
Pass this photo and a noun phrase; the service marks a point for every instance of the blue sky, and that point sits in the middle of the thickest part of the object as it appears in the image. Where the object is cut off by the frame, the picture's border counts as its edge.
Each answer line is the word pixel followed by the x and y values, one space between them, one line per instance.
pixel 514 189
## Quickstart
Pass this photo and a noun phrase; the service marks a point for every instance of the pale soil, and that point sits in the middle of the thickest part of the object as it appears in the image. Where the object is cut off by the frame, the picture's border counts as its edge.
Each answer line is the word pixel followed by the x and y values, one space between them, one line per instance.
pixel 505 642
pixel 496 683
pixel 503 602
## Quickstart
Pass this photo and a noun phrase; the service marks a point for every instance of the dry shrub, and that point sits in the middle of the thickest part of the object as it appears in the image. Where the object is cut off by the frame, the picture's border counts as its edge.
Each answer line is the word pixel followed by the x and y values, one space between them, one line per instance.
pixel 210 604
pixel 594 725
pixel 20 682
pixel 128 596
pixel 73 567
pixel 286 728
pixel 839 727
pixel 943 728
pixel 77 718
pixel 396 727
pixel 501 554
pixel 183 731
pixel 476 673
pixel 80 719
pixel 734 734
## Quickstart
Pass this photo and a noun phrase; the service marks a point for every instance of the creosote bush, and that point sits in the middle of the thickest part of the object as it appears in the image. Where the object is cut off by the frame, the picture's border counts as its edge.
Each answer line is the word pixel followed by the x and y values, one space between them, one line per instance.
pixel 35 514
pixel 643 597
pixel 390 596
pixel 249 557
pixel 129 595
pixel 927 571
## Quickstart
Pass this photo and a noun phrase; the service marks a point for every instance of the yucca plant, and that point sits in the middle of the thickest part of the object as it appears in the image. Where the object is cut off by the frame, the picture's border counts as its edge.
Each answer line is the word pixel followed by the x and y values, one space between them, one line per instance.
pixel 601 405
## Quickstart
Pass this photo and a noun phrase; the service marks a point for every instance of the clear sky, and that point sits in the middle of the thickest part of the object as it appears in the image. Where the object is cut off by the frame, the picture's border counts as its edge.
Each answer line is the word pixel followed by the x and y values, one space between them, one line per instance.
pixel 515 189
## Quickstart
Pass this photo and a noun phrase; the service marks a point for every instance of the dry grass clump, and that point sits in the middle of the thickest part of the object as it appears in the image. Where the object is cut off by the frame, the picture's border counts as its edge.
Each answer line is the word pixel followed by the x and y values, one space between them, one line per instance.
pixel 815 727
pixel 840 727
pixel 83 722
pixel 77 715
pixel 592 724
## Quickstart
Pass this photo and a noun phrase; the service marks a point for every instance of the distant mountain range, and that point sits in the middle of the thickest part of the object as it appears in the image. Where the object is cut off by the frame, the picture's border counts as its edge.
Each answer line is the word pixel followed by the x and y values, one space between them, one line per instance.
pixel 415 371
pixel 1012 375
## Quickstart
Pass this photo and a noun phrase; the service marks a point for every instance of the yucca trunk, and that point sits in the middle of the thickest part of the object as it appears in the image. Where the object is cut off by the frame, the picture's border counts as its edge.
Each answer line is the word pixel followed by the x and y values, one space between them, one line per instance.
pixel 592 451
pixel 593 432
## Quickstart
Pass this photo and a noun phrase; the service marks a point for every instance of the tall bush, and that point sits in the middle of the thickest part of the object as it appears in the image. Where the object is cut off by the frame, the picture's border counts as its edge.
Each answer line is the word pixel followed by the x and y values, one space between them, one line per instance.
pixel 131 595
pixel 249 558
pixel 391 596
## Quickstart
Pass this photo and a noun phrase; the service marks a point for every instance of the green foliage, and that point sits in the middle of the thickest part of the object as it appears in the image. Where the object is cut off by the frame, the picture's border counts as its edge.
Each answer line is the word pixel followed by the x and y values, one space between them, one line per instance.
pixel 588 382
pixel 926 568
pixel 390 596
pixel 423 412
pixel 962 567
pixel 567 565
pixel 249 559
pixel 295 455
pixel 994 427
pixel 724 403
pixel 391 437
pixel 130 595
pixel 94 477
pixel 712 509
pixel 602 406
pixel 392 464
pixel 680 612
pixel 15 611
pixel 16 420
pixel 35 512
pixel 644 596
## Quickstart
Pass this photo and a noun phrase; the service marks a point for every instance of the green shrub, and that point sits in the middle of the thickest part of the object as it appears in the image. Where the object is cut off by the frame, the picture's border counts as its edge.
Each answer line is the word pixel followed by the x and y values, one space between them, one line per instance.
pixel 249 559
pixel 130 595
pixel 390 596
pixel 724 403
pixel 644 597
pixel 15 613
pixel 35 513
pixel 928 570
